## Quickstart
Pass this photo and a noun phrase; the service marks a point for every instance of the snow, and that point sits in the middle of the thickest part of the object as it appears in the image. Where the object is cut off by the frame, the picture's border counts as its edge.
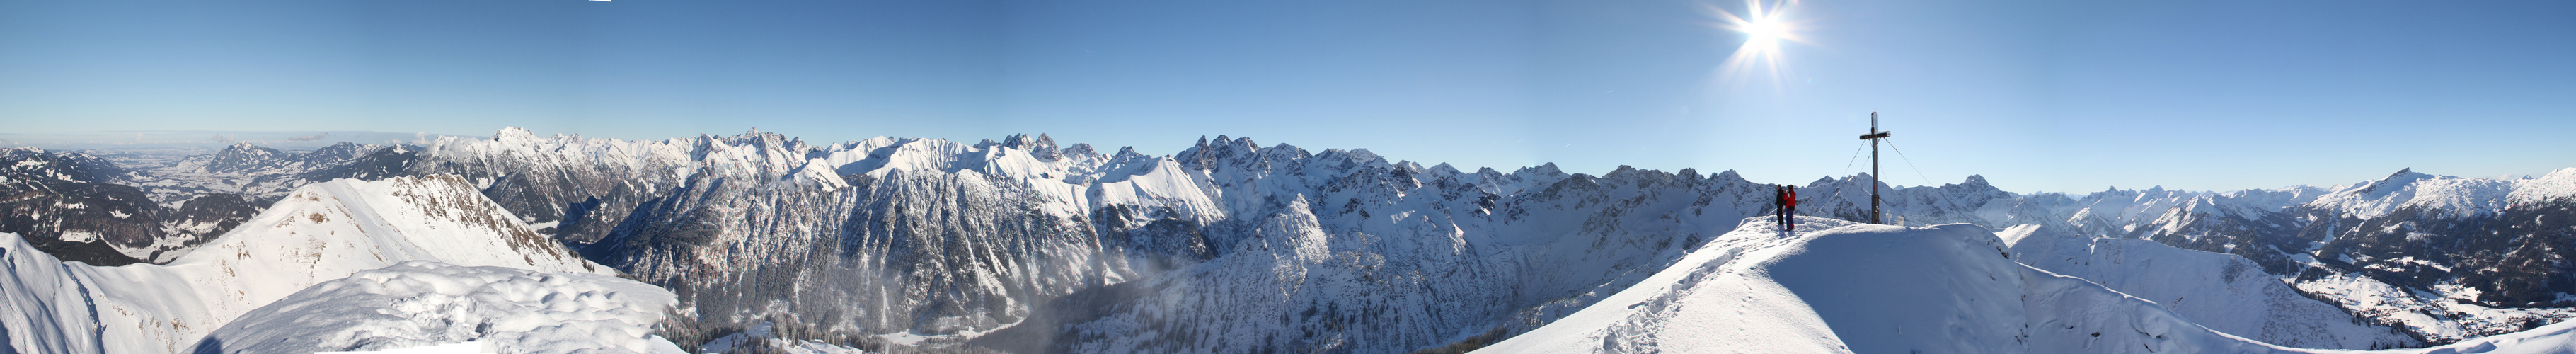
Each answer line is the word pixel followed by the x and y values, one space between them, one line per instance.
pixel 80 236
pixel 1393 247
pixel 319 233
pixel 425 303
pixel 469 347
pixel 2557 185
pixel 1888 289
pixel 2452 196
pixel 817 347
pixel 2430 314
pixel 2551 339
pixel 2227 293
pixel 762 336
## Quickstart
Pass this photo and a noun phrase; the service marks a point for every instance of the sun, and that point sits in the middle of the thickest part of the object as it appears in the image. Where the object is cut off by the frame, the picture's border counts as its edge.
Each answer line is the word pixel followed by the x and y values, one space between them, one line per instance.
pixel 1764 27
pixel 1763 33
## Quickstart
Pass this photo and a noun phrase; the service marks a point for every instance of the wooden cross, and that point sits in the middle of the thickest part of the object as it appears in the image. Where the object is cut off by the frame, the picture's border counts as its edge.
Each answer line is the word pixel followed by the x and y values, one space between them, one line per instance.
pixel 1873 137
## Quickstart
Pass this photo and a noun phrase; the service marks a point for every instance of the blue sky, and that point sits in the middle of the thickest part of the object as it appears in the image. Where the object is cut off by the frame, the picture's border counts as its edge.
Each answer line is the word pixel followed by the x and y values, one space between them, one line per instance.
pixel 2035 95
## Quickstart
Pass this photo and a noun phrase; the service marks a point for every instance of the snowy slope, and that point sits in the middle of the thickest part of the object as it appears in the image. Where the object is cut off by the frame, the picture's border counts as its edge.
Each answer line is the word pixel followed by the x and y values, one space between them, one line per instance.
pixel 2224 292
pixel 1868 289
pixel 1727 308
pixel 424 303
pixel 1883 289
pixel 321 232
pixel 2443 258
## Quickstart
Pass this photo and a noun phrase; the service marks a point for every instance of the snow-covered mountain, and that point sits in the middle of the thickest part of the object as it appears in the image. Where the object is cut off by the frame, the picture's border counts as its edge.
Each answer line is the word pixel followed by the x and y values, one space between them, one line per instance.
pixel 1025 245
pixel 319 233
pixel 916 241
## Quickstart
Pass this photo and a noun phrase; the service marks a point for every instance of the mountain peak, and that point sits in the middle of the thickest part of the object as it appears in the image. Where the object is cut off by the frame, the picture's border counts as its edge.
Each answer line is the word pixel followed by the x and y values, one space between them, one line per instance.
pixel 1041 146
pixel 515 135
pixel 2404 176
pixel 1542 169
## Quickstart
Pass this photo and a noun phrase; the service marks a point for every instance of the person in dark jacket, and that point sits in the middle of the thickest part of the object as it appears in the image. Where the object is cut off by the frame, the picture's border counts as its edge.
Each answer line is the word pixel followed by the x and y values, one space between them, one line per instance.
pixel 1780 206
pixel 1790 212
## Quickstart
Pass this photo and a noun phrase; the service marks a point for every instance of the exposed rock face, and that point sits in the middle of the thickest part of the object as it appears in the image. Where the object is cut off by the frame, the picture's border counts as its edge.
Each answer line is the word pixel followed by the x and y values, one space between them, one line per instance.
pixel 66 204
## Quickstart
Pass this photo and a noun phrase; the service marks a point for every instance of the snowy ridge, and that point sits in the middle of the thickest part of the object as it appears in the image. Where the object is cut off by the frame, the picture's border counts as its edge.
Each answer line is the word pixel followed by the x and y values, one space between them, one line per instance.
pixel 2453 196
pixel 424 303
pixel 2557 186
pixel 1639 318
pixel 319 233
pixel 1882 289
pixel 2445 258
pixel 2223 292
pixel 2109 212
pixel 1868 289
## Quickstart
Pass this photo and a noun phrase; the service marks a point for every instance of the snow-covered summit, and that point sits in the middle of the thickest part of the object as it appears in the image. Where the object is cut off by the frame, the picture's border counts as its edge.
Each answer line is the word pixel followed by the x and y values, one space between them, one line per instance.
pixel 1883 289
pixel 1867 289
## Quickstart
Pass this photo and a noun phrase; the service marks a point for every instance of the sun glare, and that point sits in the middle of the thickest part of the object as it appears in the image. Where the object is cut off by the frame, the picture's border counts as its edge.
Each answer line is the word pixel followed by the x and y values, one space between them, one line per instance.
pixel 1763 28
pixel 1763 32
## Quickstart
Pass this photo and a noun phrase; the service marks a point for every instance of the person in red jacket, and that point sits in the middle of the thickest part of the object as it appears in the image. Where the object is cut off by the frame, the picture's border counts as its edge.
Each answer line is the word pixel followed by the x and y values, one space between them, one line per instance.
pixel 1790 213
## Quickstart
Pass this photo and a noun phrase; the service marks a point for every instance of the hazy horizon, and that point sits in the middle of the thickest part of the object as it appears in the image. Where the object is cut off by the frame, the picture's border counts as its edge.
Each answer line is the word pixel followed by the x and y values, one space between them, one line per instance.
pixel 2196 95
